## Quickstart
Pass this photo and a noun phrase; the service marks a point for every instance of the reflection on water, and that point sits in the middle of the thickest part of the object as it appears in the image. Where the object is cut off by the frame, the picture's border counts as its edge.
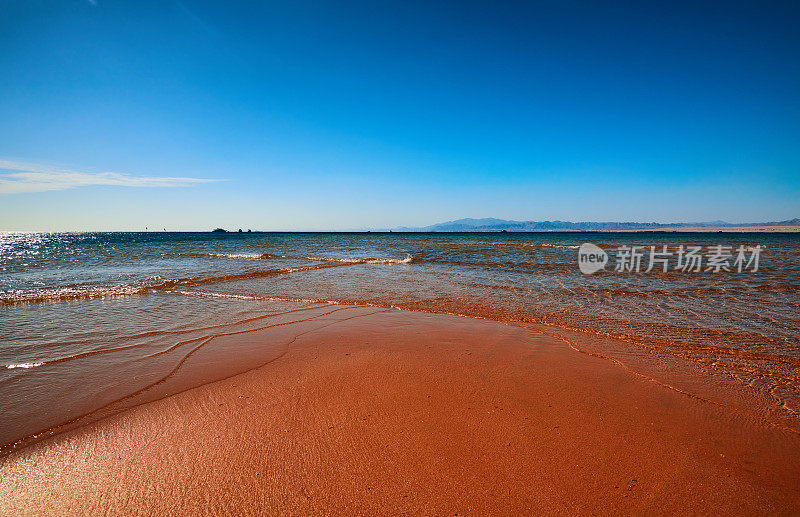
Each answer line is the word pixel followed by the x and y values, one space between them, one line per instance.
pixel 124 308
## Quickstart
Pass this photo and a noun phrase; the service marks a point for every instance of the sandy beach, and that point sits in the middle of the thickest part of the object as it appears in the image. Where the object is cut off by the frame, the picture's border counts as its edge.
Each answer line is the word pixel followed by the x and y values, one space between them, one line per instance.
pixel 399 258
pixel 405 412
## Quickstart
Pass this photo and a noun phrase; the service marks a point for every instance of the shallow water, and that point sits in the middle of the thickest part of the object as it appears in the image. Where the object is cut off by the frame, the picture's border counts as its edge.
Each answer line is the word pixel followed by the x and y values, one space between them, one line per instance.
pixel 90 318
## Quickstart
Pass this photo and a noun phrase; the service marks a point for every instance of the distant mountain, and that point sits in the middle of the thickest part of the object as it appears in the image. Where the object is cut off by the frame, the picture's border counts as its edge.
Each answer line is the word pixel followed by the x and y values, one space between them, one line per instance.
pixel 491 224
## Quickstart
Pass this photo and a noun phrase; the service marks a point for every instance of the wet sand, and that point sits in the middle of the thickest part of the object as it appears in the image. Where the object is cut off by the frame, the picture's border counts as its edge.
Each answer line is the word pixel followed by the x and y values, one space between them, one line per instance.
pixel 402 412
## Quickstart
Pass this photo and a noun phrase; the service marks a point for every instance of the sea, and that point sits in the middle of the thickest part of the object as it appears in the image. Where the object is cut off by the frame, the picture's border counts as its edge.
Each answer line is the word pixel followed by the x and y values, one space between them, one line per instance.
pixel 92 323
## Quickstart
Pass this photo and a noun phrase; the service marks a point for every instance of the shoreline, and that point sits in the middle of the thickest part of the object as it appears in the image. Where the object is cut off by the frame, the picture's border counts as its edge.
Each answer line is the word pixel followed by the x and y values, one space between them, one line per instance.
pixel 410 411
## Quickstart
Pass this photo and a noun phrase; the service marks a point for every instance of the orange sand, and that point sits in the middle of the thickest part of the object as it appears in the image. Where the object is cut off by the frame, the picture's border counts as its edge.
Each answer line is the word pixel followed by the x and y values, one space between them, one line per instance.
pixel 404 412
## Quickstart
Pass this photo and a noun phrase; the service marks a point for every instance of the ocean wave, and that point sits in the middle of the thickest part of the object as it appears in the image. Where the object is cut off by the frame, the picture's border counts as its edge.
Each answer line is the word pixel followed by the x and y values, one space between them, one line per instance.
pixel 346 260
pixel 23 365
pixel 70 293
pixel 408 260
pixel 559 246
pixel 251 256
pixel 259 298
pixel 518 245
pixel 369 260
pixel 84 293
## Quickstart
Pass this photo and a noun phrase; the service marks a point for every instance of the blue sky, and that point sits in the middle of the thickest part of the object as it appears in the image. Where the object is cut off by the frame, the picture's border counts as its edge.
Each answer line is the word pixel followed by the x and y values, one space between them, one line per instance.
pixel 189 115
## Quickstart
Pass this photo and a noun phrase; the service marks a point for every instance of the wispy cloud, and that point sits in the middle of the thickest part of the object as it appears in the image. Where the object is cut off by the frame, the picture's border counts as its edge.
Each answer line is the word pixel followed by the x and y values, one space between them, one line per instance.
pixel 196 19
pixel 19 177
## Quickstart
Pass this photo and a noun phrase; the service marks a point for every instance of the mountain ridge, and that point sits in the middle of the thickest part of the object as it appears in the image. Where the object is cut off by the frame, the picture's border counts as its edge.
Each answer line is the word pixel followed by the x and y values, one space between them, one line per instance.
pixel 491 224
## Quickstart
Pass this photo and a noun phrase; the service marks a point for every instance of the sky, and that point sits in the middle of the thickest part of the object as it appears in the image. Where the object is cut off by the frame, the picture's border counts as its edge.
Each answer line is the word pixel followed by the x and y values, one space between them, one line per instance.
pixel 307 115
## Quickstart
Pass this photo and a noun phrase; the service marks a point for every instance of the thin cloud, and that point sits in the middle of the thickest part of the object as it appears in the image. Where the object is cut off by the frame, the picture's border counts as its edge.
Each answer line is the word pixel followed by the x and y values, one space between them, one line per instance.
pixel 196 19
pixel 19 178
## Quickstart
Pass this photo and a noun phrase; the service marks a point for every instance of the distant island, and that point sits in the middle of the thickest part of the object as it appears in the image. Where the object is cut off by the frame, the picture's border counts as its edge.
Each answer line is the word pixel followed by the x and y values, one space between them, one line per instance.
pixel 223 230
pixel 498 225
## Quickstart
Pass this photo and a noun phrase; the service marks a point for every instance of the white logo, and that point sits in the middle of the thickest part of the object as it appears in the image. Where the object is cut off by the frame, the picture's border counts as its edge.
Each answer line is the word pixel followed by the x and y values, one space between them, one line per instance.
pixel 690 259
pixel 591 258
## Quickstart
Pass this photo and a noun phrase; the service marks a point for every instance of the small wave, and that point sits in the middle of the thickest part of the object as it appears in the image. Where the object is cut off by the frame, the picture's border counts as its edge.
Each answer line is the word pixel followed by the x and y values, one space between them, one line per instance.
pixel 23 365
pixel 221 295
pixel 157 283
pixel 70 293
pixel 561 246
pixel 251 256
pixel 84 293
pixel 236 255
pixel 242 276
pixel 517 245
pixel 369 260
pixel 254 297
pixel 354 260
pixel 340 260
pixel 408 260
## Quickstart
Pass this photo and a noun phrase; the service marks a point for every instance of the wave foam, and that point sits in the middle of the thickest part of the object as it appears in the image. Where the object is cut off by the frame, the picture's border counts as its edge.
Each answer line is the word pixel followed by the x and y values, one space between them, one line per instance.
pixel 70 293
pixel 354 260
pixel 368 260
pixel 252 256
pixel 23 365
